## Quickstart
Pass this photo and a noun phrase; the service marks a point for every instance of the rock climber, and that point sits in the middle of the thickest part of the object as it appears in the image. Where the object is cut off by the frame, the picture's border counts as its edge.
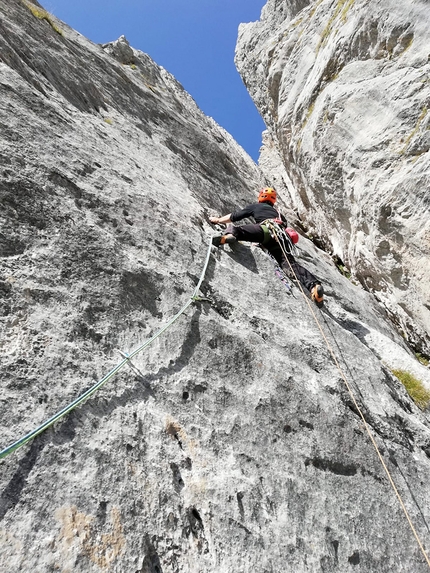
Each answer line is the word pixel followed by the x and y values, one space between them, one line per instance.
pixel 258 232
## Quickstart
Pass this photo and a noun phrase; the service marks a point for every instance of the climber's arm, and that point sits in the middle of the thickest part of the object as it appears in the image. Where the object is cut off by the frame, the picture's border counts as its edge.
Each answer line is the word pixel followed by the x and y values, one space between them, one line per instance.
pixel 221 220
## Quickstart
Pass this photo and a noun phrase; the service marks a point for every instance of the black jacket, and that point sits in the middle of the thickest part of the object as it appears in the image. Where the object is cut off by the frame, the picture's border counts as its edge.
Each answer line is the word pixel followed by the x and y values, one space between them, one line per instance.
pixel 259 211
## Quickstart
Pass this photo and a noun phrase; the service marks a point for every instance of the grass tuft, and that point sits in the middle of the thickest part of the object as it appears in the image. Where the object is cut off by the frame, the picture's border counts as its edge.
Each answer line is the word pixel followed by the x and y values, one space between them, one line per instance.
pixel 415 388
pixel 42 15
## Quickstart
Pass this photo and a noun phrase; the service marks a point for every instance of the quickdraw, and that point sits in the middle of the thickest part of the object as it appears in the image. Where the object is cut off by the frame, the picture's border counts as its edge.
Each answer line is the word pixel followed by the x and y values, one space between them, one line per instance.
pixel 279 271
pixel 278 233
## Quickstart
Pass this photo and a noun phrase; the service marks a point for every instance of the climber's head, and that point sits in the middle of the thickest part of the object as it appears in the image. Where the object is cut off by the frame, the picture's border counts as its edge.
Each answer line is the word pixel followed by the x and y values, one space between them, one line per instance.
pixel 267 194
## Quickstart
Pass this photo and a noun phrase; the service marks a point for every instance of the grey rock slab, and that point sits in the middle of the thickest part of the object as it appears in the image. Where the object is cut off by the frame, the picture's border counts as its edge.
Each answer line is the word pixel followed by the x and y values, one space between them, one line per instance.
pixel 231 444
pixel 343 88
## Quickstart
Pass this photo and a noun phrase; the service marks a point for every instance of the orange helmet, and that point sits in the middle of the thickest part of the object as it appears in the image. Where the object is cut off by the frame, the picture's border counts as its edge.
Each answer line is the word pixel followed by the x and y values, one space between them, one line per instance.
pixel 267 194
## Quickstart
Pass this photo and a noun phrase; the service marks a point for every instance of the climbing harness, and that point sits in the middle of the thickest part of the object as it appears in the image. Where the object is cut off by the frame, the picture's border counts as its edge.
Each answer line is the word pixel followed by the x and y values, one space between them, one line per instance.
pixel 275 229
pixel 360 412
pixel 126 360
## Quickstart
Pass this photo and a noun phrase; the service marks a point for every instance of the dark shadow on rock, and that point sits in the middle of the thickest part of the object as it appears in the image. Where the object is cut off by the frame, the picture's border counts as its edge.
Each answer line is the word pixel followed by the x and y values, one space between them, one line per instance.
pixel 178 482
pixel 352 326
pixel 352 376
pixel 205 287
pixel 140 289
pixel 210 269
pixel 66 429
pixel 346 304
pixel 12 492
pixel 99 407
pixel 243 255
pixel 140 392
pixel 221 306
pixel 151 562
pixel 411 492
pixel 402 399
pixel 333 466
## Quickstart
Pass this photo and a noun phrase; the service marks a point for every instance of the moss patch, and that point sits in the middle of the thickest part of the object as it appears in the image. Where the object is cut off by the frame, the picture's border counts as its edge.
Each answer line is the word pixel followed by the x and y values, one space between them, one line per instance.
pixel 422 359
pixel 415 388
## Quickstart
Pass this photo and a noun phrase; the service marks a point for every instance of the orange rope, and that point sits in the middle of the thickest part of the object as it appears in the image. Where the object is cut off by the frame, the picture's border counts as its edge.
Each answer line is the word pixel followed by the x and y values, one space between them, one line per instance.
pixel 393 485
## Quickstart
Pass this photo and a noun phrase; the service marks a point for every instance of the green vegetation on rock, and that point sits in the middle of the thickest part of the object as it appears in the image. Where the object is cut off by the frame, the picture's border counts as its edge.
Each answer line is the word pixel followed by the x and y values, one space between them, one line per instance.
pixel 422 359
pixel 42 15
pixel 342 8
pixel 415 388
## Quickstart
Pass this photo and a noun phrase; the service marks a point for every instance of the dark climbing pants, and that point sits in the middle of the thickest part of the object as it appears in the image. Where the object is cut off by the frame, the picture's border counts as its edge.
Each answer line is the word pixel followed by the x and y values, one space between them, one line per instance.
pixel 255 234
pixel 252 233
pixel 291 267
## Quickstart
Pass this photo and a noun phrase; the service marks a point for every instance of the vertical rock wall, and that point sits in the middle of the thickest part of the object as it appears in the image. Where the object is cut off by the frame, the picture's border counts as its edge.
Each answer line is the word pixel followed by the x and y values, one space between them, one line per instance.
pixel 343 86
pixel 232 444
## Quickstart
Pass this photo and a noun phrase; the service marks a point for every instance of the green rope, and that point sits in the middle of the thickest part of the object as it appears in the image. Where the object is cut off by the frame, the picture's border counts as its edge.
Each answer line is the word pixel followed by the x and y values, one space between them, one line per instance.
pixel 194 297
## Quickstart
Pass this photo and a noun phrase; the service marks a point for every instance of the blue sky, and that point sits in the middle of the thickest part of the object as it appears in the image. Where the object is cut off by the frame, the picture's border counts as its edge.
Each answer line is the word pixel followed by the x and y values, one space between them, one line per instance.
pixel 193 39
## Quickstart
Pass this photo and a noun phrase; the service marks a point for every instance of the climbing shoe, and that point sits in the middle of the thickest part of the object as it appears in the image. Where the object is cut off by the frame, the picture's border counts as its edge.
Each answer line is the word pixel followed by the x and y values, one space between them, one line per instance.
pixel 317 295
pixel 223 239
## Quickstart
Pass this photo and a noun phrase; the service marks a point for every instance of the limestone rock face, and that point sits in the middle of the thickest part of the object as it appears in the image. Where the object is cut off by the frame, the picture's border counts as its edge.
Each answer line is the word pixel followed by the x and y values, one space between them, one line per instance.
pixel 344 89
pixel 231 444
